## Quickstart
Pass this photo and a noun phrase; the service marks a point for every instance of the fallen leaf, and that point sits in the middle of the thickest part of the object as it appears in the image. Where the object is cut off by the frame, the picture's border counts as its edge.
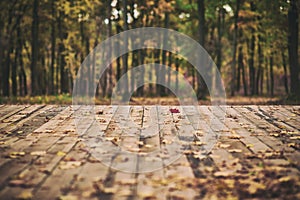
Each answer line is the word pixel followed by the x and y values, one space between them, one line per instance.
pixel 26 194
pixel 234 150
pixel 224 146
pixel 100 112
pixel 285 179
pixel 174 110
pixel 124 192
pixel 68 197
pixel 234 136
pixel 70 164
pixel 60 153
pixel 165 141
pixel 222 173
pixel 254 186
pixel 38 153
pixel 295 137
pixel 16 154
pixel 130 181
pixel 16 182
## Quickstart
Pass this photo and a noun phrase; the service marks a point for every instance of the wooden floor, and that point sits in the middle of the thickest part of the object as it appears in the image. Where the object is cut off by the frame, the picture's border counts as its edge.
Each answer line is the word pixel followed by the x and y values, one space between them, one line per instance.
pixel 257 155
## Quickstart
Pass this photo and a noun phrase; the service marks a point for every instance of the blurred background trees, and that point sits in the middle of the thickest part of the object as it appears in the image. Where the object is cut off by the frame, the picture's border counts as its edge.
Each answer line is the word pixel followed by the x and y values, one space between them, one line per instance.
pixel 254 44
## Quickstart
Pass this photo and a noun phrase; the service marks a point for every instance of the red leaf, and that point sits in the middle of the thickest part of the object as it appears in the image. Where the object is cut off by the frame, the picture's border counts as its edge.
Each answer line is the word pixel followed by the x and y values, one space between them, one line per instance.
pixel 174 110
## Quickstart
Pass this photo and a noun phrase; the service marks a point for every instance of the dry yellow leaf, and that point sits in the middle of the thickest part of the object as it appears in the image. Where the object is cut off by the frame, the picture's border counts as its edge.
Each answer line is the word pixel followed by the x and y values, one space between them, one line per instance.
pixel 60 153
pixel 16 154
pixel 234 150
pixel 234 136
pixel 224 146
pixel 26 194
pixel 69 164
pixel 38 153
pixel 68 197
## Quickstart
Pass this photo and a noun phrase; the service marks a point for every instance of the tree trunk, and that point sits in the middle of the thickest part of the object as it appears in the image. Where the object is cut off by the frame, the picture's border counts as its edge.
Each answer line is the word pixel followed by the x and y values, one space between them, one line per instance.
pixel 177 70
pixel 242 68
pixel 262 82
pixel 164 54
pixel 234 44
pixel 201 88
pixel 53 46
pixel 110 68
pixel 251 57
pixel 125 56
pixel 62 61
pixel 35 49
pixel 268 76
pixel 271 76
pixel 118 61
pixel 293 47
pixel 221 16
pixel 285 76
pixel 169 71
pixel 260 62
pixel 14 72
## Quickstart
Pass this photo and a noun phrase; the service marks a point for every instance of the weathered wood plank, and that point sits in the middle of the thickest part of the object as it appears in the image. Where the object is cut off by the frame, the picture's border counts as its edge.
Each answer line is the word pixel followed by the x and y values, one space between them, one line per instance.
pixel 149 184
pixel 8 111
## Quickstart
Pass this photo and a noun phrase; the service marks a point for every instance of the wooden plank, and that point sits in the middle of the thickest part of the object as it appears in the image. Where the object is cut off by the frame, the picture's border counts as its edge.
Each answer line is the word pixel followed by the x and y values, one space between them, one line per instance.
pixel 177 170
pixel 275 118
pixel 11 110
pixel 11 167
pixel 16 121
pixel 125 180
pixel 289 112
pixel 149 185
pixel 78 178
pixel 246 132
pixel 32 142
pixel 278 146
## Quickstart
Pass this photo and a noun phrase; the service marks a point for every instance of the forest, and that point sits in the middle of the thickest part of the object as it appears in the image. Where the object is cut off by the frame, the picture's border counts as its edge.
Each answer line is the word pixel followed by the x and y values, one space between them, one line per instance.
pixel 253 43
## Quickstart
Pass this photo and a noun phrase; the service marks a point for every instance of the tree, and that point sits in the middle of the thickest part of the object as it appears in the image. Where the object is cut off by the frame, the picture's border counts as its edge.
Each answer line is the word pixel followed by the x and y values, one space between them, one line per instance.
pixel 234 45
pixel 201 89
pixel 293 47
pixel 35 48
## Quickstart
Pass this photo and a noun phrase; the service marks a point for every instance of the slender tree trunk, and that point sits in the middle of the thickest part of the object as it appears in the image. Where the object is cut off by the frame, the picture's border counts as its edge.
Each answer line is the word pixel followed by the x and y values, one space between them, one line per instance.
pixel 262 82
pixel 293 47
pixel 234 44
pixel 110 69
pixel 285 76
pixel 260 62
pixel 201 88
pixel 169 71
pixel 53 46
pixel 220 35
pixel 177 70
pixel 242 67
pixel 34 49
pixel 157 71
pixel 61 49
pixel 125 56
pixel 118 61
pixel 238 76
pixel 164 54
pixel 271 75
pixel 14 72
pixel 268 76
pixel 251 56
